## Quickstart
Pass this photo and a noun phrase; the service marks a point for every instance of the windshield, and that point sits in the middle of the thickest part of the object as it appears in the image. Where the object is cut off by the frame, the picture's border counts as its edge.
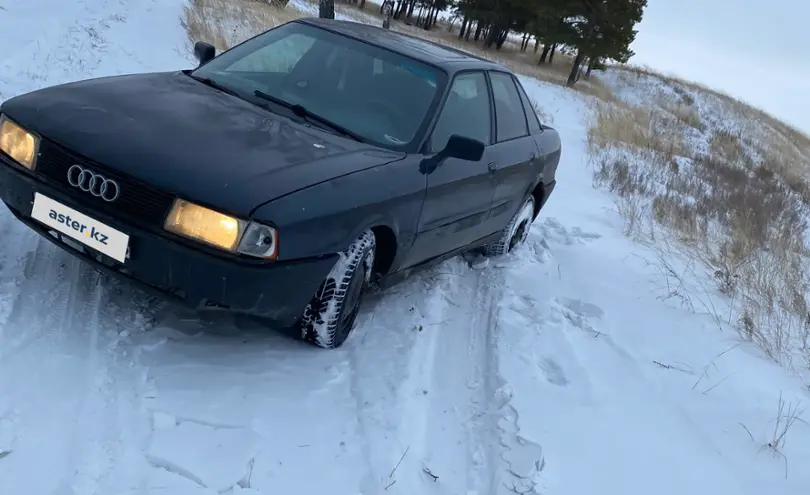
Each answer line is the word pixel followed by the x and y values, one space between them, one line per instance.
pixel 375 94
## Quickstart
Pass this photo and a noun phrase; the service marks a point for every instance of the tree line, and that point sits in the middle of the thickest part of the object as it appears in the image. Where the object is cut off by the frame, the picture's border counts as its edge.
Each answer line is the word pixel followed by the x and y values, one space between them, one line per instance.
pixel 593 31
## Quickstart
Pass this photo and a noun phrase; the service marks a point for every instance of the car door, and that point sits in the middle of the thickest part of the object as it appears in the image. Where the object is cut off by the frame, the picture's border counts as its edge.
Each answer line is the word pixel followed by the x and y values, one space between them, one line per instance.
pixel 459 193
pixel 516 156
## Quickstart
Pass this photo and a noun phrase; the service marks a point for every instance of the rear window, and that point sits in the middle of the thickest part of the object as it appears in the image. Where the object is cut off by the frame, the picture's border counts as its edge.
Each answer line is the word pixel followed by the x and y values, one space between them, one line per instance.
pixel 531 115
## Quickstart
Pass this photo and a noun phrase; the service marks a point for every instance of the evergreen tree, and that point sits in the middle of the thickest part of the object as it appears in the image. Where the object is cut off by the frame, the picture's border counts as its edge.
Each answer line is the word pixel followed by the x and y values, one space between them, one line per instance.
pixel 603 30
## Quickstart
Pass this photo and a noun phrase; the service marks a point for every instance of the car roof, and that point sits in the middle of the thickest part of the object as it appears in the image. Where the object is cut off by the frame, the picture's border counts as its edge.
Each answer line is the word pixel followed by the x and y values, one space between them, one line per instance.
pixel 445 57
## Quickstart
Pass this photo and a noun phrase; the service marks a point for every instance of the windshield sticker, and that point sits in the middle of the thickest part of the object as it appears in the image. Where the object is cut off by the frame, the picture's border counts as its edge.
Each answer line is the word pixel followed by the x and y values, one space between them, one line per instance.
pixel 419 71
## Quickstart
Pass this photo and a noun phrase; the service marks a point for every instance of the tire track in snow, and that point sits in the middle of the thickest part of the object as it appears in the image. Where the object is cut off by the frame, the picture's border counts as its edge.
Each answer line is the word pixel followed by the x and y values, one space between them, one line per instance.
pixel 12 264
pixel 445 425
pixel 110 426
pixel 34 356
pixel 46 308
pixel 76 477
pixel 470 407
pixel 73 392
pixel 381 355
pixel 455 426
pixel 399 368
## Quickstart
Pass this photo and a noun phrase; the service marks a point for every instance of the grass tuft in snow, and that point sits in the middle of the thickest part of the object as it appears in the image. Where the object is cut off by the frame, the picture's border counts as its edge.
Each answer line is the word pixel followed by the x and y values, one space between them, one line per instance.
pixel 787 415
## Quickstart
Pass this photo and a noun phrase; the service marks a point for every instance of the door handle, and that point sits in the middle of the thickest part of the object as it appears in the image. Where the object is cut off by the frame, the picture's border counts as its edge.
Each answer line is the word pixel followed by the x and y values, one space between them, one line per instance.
pixel 492 166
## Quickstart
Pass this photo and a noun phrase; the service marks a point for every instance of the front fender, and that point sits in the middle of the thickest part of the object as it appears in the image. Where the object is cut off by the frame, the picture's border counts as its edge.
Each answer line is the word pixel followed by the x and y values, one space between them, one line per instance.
pixel 325 218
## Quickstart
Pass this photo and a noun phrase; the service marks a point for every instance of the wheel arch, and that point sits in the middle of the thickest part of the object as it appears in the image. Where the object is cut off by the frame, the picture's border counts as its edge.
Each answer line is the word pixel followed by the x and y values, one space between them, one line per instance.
pixel 538 193
pixel 386 240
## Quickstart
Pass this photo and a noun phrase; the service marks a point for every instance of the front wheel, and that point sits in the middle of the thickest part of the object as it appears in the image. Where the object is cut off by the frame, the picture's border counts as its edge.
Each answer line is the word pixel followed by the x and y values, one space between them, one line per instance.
pixel 329 317
pixel 515 232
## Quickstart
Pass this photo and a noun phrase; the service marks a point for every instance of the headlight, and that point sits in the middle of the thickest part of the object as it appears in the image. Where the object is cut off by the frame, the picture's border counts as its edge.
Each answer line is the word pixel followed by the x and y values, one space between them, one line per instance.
pixel 18 143
pixel 222 231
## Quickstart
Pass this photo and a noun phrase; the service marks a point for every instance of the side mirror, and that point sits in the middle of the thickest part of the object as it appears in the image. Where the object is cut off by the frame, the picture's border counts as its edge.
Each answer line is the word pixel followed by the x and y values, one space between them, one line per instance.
pixel 463 148
pixel 460 147
pixel 204 51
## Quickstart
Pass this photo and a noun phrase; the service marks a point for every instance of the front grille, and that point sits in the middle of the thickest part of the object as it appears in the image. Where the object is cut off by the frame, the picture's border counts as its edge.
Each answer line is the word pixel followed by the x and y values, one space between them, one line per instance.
pixel 138 201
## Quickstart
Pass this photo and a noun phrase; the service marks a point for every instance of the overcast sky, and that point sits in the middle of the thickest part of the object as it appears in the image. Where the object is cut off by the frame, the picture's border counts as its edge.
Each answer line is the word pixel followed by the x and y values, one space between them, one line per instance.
pixel 755 50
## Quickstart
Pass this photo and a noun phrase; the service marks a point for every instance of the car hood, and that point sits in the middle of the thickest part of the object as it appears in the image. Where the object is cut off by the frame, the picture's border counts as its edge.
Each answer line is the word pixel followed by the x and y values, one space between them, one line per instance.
pixel 189 139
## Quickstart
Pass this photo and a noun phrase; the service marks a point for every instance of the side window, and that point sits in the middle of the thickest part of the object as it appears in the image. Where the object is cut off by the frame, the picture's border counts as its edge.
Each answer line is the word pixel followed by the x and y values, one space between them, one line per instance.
pixel 531 115
pixel 280 56
pixel 466 111
pixel 509 116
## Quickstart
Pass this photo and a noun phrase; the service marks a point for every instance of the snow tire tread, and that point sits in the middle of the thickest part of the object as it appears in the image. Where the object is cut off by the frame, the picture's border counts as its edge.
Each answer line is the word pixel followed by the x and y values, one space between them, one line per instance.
pixel 501 246
pixel 321 318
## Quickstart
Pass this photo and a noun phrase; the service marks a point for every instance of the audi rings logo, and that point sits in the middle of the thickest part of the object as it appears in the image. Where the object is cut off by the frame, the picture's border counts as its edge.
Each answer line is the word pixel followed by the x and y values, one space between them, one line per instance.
pixel 93 183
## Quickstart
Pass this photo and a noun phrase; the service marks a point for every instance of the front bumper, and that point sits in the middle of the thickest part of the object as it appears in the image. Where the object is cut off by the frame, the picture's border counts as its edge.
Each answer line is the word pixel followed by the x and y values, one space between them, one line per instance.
pixel 277 292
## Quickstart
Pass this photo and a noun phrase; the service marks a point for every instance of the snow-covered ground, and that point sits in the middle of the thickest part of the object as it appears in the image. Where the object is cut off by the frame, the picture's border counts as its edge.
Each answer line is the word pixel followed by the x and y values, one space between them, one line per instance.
pixel 558 370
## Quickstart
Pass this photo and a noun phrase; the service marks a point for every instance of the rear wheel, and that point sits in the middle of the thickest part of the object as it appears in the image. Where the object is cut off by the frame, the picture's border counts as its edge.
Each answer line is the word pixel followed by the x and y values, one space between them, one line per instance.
pixel 329 318
pixel 515 232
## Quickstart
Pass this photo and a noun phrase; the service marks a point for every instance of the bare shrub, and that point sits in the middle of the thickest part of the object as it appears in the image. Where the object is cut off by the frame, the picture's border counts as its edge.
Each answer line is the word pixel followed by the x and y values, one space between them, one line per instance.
pixel 726 145
pixel 682 217
pixel 682 109
pixel 685 96
pixel 620 177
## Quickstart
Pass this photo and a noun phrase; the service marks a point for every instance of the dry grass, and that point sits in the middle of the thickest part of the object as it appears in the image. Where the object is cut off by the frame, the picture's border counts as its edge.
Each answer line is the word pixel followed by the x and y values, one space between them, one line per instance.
pixel 656 133
pixel 225 23
pixel 730 184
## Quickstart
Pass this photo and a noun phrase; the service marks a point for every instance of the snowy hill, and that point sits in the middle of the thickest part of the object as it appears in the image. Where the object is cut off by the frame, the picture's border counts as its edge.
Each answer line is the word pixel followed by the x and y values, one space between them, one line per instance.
pixel 588 362
pixel 726 184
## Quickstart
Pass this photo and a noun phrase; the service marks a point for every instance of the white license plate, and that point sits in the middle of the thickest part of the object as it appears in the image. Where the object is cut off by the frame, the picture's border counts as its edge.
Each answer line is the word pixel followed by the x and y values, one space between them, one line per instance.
pixel 79 226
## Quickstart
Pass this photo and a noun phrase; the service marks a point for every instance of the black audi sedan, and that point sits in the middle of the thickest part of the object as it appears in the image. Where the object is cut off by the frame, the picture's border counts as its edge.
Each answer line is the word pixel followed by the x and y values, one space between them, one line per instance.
pixel 284 177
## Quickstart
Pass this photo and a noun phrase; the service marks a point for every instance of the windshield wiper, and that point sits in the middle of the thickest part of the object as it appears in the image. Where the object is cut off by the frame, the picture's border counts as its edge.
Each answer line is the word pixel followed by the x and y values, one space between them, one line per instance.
pixel 302 112
pixel 210 82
